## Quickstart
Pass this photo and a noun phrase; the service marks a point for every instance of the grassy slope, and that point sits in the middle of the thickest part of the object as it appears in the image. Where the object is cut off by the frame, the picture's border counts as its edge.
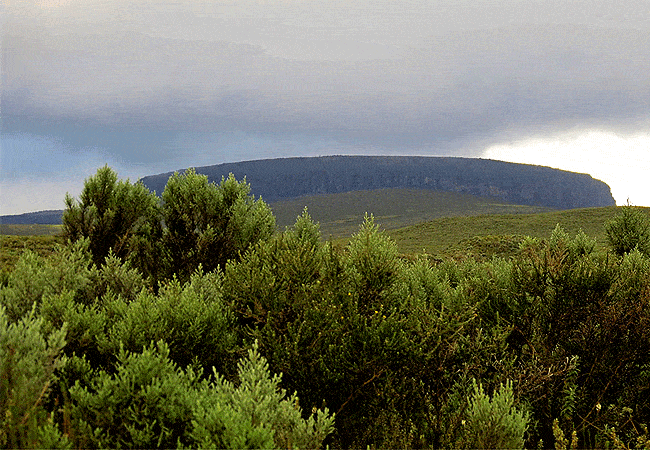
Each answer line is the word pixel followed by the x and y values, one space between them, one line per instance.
pixel 29 230
pixel 442 236
pixel 340 215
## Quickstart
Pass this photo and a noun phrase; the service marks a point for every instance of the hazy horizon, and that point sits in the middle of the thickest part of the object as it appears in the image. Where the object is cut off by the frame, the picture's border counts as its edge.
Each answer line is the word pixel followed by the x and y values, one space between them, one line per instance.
pixel 154 86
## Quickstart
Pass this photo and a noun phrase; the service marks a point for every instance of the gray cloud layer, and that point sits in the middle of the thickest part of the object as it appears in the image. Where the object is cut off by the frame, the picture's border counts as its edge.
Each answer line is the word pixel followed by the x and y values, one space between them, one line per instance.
pixel 386 73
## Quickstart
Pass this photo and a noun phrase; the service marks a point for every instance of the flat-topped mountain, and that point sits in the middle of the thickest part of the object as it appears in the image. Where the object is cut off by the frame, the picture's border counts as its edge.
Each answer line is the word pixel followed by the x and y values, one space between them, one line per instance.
pixel 277 180
pixel 285 178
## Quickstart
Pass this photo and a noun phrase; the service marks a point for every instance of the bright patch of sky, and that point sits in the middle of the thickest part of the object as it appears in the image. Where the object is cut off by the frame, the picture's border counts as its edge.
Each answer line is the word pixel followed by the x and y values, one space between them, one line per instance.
pixel 620 160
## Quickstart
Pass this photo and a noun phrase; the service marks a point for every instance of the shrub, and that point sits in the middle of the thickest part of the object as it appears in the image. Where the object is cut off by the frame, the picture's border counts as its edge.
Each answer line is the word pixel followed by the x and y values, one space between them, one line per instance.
pixel 494 423
pixel 117 277
pixel 374 264
pixel 384 367
pixel 25 286
pixel 629 229
pixel 146 403
pixel 190 318
pixel 28 359
pixel 35 278
pixel 256 414
pixel 588 307
pixel 115 215
pixel 86 326
pixel 208 224
pixel 149 402
pixel 277 279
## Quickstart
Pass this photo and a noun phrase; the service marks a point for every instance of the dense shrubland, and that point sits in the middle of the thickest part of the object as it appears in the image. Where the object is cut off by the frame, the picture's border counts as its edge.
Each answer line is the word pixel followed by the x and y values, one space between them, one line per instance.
pixel 190 323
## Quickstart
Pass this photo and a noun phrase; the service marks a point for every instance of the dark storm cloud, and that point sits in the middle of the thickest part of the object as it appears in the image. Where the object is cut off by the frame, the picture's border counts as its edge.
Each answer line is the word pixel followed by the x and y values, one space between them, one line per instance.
pixel 159 68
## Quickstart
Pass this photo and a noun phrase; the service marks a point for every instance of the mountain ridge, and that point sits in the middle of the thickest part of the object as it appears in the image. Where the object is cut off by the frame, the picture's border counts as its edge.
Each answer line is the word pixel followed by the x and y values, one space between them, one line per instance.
pixel 525 184
pixel 290 178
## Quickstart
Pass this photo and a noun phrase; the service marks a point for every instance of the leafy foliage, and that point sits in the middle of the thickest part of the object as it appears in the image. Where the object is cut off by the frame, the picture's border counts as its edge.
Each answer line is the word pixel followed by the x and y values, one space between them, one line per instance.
pixel 35 278
pixel 256 414
pixel 115 215
pixel 208 224
pixel 197 224
pixel 149 402
pixel 191 318
pixel 494 422
pixel 630 229
pixel 28 358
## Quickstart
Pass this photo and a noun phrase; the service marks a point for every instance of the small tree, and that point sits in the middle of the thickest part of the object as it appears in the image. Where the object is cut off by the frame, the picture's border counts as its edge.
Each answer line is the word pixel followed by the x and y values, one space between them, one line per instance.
pixel 629 229
pixel 208 224
pixel 115 215
pixel 494 422
pixel 374 259
pixel 198 224
pixel 256 413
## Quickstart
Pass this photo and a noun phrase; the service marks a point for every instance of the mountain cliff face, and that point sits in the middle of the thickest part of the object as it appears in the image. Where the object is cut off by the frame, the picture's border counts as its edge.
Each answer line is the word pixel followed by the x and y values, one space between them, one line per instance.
pixel 276 179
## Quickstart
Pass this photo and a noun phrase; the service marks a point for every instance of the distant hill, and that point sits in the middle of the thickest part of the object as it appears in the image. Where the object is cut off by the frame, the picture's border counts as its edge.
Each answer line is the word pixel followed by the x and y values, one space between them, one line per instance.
pixel 286 178
pixel 50 217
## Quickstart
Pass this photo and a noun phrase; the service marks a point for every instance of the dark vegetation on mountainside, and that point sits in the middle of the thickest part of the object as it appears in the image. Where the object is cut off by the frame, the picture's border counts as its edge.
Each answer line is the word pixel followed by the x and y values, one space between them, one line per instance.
pixel 162 325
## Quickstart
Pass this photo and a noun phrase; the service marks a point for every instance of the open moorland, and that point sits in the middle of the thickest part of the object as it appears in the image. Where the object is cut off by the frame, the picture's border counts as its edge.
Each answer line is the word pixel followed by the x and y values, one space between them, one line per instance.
pixel 340 215
pixel 437 236
pixel 440 224
pixel 198 322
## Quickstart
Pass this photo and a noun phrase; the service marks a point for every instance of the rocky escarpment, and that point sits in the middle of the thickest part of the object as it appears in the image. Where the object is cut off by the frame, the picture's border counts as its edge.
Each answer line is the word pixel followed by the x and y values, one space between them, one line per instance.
pixel 276 179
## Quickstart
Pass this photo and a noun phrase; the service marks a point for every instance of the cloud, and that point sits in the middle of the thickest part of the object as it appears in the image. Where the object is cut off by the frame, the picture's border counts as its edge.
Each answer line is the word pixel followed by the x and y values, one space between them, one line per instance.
pixel 619 159
pixel 162 83
pixel 260 68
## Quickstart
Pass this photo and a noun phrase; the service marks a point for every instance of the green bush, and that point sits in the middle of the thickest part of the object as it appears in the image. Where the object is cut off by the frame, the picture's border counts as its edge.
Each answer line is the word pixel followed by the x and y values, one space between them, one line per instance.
pixel 91 302
pixel 256 414
pixel 25 286
pixel 146 403
pixel 208 224
pixel 86 326
pixel 149 402
pixel 378 340
pixel 28 359
pixel 628 230
pixel 277 279
pixel 494 423
pixel 190 318
pixel 588 307
pixel 117 277
pixel 115 215
pixel 35 278
pixel 374 264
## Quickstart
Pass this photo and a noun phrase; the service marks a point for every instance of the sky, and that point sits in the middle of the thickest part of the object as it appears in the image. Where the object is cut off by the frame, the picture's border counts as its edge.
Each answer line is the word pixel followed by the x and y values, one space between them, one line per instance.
pixel 152 86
